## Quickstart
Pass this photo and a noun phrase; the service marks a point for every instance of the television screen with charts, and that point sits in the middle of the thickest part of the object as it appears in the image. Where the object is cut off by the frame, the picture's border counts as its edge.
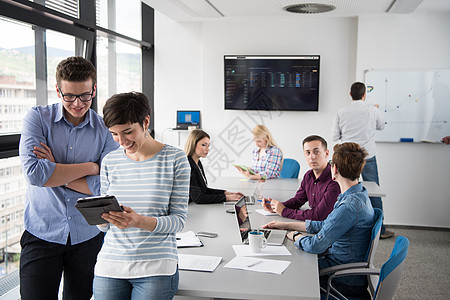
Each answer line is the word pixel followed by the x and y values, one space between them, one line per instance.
pixel 282 82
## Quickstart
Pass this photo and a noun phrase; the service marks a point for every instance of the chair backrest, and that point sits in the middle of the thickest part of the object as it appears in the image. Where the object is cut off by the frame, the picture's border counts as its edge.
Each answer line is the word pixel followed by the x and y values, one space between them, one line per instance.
pixel 370 256
pixel 392 270
pixel 290 169
pixel 375 236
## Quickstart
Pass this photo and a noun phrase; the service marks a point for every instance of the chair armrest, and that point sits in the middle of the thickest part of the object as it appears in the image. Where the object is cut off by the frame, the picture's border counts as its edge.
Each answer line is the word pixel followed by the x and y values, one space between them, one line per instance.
pixel 361 271
pixel 348 272
pixel 337 268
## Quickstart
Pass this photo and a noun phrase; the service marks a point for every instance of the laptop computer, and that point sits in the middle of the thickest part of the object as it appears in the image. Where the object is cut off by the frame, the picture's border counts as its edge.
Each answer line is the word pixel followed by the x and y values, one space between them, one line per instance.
pixel 186 118
pixel 274 236
pixel 251 199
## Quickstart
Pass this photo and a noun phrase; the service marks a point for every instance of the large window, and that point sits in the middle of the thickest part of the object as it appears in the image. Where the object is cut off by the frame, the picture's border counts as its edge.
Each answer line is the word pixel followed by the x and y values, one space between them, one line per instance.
pixel 33 41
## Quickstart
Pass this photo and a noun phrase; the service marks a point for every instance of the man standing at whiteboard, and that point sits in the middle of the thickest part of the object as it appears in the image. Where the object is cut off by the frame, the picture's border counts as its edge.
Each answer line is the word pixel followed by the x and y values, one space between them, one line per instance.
pixel 358 123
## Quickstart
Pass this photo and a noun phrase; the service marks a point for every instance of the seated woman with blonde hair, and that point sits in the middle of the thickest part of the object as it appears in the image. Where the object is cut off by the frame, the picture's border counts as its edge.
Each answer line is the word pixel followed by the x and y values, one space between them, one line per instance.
pixel 197 145
pixel 267 158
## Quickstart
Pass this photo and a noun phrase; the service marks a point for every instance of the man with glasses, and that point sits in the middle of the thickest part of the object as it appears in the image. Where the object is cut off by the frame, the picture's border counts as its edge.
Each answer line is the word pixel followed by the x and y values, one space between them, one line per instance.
pixel 61 148
pixel 317 187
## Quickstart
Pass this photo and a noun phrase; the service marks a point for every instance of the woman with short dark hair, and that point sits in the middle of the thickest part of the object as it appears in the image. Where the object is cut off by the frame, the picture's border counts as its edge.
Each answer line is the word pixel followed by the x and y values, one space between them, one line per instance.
pixel 139 258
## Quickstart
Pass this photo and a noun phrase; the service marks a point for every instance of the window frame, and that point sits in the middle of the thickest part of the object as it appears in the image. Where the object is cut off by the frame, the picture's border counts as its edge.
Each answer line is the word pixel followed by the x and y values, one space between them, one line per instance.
pixel 86 29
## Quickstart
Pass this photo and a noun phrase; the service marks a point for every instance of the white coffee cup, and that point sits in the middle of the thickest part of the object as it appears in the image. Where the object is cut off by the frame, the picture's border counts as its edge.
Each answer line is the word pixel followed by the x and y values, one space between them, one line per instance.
pixel 257 241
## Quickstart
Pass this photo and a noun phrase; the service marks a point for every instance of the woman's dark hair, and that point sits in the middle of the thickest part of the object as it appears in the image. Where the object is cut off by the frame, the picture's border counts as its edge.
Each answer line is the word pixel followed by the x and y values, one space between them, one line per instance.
pixel 126 108
pixel 349 159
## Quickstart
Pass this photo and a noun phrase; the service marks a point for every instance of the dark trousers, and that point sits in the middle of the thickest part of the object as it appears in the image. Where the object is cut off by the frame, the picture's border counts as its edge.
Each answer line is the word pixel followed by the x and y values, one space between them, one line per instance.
pixel 370 173
pixel 42 264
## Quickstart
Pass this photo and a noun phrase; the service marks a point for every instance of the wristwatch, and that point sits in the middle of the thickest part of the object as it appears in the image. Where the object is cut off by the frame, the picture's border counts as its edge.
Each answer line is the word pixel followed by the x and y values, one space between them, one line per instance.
pixel 295 234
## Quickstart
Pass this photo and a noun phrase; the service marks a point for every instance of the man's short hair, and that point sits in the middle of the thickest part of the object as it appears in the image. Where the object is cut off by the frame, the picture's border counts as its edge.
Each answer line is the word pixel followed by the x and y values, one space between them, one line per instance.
pixel 76 69
pixel 126 108
pixel 312 138
pixel 349 159
pixel 357 90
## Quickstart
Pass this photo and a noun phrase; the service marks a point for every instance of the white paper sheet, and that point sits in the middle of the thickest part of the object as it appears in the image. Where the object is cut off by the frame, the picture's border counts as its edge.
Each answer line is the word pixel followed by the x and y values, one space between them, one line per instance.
pixel 245 250
pixel 258 264
pixel 198 262
pixel 265 212
pixel 188 239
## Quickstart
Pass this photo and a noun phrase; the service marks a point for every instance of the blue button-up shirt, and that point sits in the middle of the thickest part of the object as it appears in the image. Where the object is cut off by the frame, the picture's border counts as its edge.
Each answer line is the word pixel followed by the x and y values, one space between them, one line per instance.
pixel 50 212
pixel 344 236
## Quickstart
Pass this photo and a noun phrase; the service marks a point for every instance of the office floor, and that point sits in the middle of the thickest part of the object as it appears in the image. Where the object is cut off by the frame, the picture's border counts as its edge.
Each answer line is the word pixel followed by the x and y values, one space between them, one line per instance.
pixel 426 274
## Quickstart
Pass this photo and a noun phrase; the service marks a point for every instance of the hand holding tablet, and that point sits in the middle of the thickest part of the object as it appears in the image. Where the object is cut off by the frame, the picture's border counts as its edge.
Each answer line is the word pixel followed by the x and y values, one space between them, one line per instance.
pixel 92 208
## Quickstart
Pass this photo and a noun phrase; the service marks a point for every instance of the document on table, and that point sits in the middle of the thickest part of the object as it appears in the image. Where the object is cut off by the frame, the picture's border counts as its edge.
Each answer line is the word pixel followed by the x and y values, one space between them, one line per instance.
pixel 245 250
pixel 265 212
pixel 198 262
pixel 258 264
pixel 188 239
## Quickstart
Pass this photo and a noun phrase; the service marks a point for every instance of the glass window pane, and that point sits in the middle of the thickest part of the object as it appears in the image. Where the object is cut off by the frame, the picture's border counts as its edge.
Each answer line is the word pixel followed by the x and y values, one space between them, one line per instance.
pixel 12 199
pixel 120 16
pixel 17 74
pixel 59 47
pixel 118 69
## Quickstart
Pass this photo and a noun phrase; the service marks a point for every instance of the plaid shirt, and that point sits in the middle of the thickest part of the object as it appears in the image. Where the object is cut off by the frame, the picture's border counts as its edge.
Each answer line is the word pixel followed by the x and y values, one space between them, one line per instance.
pixel 269 164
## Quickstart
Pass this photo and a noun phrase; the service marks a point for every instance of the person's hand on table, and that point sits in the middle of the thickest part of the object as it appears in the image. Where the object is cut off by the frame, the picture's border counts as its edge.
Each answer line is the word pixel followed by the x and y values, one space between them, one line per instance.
pixel 274 225
pixel 233 197
pixel 290 235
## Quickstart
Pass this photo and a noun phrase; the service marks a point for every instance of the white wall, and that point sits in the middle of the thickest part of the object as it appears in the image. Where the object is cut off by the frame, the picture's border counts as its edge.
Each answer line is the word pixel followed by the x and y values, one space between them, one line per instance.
pixel 189 75
pixel 416 177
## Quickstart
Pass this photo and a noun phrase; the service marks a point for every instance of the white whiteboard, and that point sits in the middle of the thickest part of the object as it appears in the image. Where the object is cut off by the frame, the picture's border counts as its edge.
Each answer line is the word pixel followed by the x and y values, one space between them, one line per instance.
pixel 415 104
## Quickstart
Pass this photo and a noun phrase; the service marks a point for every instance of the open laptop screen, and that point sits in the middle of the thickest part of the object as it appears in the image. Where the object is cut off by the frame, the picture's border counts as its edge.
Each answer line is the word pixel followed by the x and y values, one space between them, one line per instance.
pixel 242 218
pixel 188 118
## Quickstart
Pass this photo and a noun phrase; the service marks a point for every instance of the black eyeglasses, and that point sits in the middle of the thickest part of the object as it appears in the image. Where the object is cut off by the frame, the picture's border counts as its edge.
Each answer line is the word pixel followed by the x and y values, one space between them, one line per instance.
pixel 331 162
pixel 71 98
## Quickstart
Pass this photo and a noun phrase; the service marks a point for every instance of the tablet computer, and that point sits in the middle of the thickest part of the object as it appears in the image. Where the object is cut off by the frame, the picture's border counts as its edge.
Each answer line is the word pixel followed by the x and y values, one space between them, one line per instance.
pixel 245 168
pixel 92 208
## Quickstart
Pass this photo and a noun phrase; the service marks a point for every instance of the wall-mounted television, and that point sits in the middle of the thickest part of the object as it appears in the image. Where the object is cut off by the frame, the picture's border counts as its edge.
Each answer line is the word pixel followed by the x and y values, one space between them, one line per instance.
pixel 272 82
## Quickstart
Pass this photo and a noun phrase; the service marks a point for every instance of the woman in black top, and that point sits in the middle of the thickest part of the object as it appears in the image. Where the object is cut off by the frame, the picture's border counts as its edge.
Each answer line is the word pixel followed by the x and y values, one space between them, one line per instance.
pixel 197 145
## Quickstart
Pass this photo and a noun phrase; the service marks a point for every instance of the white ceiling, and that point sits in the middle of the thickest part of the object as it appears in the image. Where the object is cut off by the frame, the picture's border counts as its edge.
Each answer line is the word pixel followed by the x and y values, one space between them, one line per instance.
pixel 198 10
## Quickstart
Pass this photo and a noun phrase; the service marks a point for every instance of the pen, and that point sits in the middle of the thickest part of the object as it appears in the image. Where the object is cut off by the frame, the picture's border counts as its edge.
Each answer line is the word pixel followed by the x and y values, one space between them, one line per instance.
pixel 265 201
pixel 254 264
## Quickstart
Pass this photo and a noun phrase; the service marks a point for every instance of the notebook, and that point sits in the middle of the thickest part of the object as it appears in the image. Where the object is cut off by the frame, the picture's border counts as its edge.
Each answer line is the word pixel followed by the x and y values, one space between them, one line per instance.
pixel 251 199
pixel 273 236
pixel 186 118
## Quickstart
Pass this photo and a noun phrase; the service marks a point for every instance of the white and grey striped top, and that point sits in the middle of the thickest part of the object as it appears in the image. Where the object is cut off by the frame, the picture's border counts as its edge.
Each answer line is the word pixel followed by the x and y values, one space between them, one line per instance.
pixel 157 187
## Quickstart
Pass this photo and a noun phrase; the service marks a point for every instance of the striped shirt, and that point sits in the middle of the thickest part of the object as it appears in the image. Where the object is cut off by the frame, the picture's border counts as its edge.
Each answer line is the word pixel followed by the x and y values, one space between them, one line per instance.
pixel 268 165
pixel 157 187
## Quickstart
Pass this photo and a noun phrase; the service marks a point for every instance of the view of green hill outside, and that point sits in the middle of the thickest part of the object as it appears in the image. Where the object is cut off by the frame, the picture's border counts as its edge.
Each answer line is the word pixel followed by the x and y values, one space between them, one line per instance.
pixel 18 95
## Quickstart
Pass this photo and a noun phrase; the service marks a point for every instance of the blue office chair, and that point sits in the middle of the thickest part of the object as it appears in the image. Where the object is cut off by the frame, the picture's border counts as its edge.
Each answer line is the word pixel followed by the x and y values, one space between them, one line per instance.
pixel 370 255
pixel 388 276
pixel 290 169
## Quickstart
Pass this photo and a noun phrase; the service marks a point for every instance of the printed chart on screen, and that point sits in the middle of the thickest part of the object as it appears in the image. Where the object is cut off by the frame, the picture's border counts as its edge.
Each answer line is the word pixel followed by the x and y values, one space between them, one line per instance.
pixel 415 104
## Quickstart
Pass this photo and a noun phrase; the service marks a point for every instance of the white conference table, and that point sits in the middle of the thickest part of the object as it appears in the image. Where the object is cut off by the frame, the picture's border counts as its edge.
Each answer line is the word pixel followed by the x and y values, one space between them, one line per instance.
pixel 299 281
pixel 287 186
